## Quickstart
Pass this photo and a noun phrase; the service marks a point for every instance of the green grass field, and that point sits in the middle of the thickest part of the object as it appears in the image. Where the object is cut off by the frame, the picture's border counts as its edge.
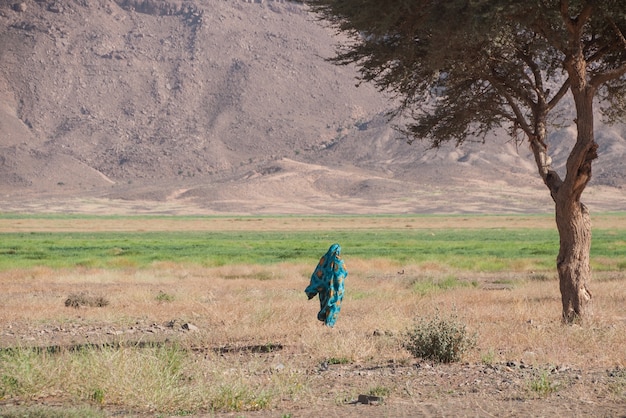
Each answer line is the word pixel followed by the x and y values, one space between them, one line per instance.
pixel 471 249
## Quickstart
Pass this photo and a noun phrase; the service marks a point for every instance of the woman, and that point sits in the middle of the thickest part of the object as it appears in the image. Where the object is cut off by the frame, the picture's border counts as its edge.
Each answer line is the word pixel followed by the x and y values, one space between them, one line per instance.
pixel 328 281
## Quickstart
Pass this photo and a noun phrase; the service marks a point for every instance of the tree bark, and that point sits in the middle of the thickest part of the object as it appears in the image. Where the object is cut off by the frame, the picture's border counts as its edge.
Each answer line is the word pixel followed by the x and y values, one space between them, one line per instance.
pixel 572 217
pixel 574 226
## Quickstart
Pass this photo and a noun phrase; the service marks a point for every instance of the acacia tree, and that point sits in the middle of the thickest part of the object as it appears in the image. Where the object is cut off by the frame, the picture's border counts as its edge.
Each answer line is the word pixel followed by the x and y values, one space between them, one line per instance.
pixel 463 68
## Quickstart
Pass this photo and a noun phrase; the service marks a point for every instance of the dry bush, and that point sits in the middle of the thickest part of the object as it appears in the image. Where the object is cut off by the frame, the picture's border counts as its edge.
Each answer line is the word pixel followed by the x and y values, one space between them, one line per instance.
pixel 441 339
pixel 76 300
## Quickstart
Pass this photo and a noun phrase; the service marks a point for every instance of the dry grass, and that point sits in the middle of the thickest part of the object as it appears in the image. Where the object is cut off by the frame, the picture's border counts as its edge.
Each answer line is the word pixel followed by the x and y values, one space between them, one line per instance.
pixel 296 223
pixel 517 317
pixel 258 344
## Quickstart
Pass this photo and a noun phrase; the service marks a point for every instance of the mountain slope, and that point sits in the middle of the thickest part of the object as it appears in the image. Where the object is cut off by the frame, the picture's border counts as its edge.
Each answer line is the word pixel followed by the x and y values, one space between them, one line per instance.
pixel 228 106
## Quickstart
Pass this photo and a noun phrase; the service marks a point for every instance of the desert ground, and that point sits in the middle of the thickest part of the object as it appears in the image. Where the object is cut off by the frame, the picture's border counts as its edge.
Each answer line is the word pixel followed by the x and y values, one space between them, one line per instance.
pixel 251 326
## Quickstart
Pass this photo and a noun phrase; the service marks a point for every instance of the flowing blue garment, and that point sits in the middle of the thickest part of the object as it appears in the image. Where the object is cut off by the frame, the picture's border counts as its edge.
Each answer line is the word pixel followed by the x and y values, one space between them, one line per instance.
pixel 328 281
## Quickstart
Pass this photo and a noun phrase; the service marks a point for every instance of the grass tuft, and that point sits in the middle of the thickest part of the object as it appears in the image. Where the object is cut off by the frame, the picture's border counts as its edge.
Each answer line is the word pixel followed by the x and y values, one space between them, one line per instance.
pixel 542 385
pixel 164 297
pixel 430 285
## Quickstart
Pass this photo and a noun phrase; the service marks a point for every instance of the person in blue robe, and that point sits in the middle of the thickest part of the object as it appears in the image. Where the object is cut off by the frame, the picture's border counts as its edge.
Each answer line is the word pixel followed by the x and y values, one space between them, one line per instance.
pixel 327 281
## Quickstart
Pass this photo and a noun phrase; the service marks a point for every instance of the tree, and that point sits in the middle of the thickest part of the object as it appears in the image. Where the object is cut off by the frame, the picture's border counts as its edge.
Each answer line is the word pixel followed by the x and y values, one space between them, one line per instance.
pixel 462 68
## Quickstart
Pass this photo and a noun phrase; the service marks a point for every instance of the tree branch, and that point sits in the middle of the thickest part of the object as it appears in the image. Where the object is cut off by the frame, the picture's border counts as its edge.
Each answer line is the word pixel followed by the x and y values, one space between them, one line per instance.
pixel 618 32
pixel 542 27
pixel 559 95
pixel 519 117
pixel 603 77
pixel 499 82
pixel 538 83
pixel 575 25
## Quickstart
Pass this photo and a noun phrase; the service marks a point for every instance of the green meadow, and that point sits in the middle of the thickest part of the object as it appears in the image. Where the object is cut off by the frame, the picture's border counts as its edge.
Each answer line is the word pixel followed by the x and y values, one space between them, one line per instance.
pixel 474 249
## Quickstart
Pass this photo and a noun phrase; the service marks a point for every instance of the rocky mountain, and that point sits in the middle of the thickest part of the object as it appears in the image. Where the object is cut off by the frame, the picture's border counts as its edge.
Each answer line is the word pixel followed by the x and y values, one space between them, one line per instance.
pixel 229 106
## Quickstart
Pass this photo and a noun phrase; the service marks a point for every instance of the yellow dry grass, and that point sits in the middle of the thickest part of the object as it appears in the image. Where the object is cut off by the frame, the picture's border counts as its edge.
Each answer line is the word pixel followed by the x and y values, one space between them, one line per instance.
pixel 515 317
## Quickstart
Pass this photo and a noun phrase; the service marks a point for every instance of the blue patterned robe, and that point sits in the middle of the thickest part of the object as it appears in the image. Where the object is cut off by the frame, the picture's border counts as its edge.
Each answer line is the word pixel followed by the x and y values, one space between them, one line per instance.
pixel 328 281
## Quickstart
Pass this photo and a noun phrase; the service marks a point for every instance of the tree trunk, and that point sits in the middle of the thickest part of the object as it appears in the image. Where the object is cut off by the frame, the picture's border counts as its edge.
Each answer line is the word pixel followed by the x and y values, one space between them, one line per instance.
pixel 574 225
pixel 572 217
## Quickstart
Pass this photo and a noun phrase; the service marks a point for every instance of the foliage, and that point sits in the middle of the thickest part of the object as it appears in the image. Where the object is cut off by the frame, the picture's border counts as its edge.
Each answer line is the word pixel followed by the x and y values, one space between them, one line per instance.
pixel 443 340
pixel 497 63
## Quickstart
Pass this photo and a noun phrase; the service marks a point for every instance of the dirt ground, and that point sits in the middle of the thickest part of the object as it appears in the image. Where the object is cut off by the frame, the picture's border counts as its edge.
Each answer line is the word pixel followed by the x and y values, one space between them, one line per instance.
pixel 417 389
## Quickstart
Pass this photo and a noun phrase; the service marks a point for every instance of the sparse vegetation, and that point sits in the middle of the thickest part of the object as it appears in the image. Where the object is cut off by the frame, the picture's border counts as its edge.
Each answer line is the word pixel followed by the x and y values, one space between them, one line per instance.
pixel 379 391
pixel 335 360
pixel 164 297
pixel 488 357
pixel 166 378
pixel 41 411
pixel 426 285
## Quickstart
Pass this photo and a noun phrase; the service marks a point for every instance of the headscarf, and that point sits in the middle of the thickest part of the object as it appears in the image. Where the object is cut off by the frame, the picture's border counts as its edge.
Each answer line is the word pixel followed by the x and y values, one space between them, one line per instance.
pixel 328 281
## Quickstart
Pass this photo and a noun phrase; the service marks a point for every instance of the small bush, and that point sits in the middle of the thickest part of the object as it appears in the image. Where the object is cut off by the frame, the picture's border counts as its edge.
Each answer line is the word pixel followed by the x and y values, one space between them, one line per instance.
pixel 443 340
pixel 97 396
pixel 488 357
pixel 164 297
pixel 379 391
pixel 76 300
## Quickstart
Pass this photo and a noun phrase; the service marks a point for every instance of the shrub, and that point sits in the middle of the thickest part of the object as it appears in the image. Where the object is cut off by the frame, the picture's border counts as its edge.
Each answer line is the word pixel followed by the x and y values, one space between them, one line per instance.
pixel 164 297
pixel 76 300
pixel 443 340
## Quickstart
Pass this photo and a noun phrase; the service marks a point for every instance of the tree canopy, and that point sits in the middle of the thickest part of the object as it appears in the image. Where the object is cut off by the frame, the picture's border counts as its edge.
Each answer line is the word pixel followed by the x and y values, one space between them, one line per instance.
pixel 463 68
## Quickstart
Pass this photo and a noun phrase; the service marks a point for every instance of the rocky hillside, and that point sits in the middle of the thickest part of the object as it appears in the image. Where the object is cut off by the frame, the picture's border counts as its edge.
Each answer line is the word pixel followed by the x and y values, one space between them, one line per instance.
pixel 228 106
